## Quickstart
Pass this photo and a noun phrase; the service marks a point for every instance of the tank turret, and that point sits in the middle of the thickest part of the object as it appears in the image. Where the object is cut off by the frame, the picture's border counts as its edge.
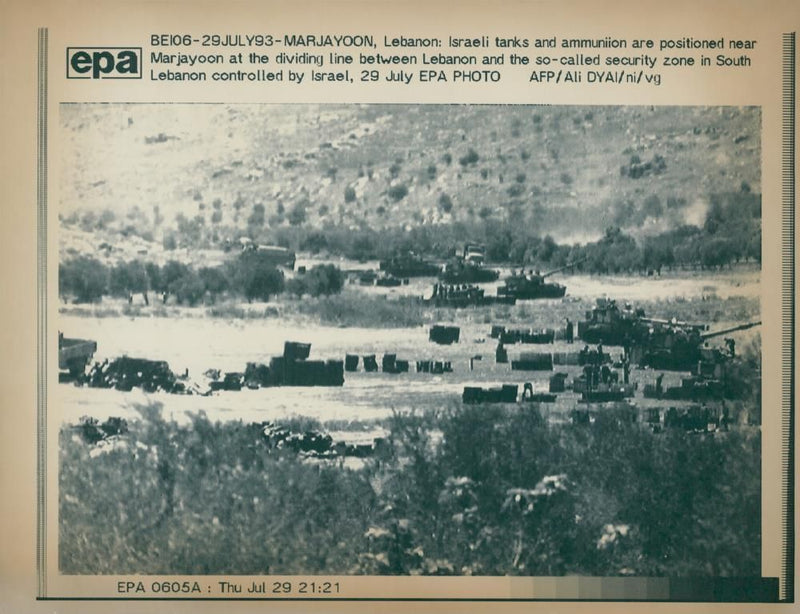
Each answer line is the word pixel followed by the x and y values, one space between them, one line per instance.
pixel 468 267
pixel 533 285
pixel 408 265
pixel 607 323
pixel 680 348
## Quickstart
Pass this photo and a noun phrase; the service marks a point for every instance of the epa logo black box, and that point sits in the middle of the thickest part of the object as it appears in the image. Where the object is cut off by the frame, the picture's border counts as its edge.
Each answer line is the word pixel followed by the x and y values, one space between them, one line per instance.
pixel 104 62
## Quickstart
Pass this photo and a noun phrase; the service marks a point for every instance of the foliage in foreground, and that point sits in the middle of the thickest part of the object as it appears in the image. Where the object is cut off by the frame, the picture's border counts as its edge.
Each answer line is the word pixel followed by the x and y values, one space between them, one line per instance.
pixel 499 493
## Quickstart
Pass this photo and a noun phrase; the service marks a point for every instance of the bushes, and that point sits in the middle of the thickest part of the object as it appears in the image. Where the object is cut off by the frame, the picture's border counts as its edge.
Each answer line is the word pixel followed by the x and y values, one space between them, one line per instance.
pixel 188 289
pixel 445 203
pixel 205 498
pixel 498 493
pixel 471 157
pixel 84 278
pixel 257 218
pixel 214 279
pixel 398 191
pixel 323 279
pixel 526 498
pixel 297 215
pixel 515 190
pixel 128 277
pixel 731 233
pixel 254 275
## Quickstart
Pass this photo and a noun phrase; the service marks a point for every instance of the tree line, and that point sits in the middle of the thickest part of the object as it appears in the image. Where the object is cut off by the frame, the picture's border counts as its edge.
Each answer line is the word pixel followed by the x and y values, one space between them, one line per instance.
pixel 730 234
pixel 251 275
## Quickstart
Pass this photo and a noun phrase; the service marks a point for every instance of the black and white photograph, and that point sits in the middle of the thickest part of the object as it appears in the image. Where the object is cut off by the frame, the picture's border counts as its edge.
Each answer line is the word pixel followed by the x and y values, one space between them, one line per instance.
pixel 409 340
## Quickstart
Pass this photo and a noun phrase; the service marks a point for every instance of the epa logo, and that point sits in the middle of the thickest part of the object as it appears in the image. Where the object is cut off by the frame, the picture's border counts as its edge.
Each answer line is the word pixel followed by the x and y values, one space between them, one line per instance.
pixel 104 62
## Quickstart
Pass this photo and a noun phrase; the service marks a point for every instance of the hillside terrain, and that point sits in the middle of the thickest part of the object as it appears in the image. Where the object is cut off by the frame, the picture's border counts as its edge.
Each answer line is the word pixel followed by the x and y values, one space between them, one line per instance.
pixel 144 178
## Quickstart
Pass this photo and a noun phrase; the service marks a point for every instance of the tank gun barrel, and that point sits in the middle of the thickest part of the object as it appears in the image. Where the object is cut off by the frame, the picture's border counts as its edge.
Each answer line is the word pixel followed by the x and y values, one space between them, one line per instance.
pixel 731 329
pixel 566 266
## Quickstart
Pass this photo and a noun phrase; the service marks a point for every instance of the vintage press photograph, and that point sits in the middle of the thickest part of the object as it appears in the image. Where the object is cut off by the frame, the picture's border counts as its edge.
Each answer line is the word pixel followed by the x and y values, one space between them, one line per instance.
pixel 409 340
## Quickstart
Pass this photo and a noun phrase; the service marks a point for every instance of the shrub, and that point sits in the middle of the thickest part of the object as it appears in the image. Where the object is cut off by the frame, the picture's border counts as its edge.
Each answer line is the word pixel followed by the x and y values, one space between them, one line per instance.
pixel 398 191
pixel 315 242
pixel 200 488
pixel 499 492
pixel 214 279
pixel 298 213
pixel 471 157
pixel 188 289
pixel 128 277
pixel 154 277
pixel 255 276
pixel 84 278
pixel 257 217
pixel 322 279
pixel 515 190
pixel 445 203
pixel 173 271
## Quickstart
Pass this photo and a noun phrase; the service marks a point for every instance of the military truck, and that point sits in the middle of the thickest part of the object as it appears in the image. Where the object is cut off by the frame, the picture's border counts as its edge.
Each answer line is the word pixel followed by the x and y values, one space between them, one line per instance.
pixel 74 354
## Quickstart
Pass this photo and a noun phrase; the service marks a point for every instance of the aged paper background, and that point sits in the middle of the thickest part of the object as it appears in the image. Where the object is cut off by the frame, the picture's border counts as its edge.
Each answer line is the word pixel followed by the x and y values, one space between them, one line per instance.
pixel 111 23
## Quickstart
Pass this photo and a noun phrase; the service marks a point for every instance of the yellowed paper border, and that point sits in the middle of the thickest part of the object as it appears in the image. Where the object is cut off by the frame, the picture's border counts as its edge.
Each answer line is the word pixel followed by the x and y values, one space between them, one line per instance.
pixel 744 19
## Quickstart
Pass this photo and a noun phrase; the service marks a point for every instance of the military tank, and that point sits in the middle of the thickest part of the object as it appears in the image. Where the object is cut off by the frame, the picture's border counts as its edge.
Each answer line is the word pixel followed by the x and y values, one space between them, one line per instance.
pixel 607 323
pixel 676 347
pixel 653 342
pixel 464 295
pixel 465 272
pixel 389 281
pixel 468 267
pixel 533 285
pixel 408 265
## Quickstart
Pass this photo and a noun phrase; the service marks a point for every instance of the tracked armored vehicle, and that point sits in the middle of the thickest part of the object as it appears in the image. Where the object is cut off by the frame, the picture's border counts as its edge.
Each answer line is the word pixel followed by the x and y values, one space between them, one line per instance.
pixel 408 265
pixel 389 281
pixel 677 347
pixel 533 286
pixel 607 323
pixel 464 272
pixel 468 267
pixel 464 295
pixel 653 342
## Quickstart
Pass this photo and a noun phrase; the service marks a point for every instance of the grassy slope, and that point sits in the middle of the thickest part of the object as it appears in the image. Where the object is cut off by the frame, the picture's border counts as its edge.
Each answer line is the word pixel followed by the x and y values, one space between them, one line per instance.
pixel 570 158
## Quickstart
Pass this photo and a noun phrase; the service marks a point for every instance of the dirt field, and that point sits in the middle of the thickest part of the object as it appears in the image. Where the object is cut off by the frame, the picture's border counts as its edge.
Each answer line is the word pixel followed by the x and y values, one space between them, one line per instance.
pixel 191 341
